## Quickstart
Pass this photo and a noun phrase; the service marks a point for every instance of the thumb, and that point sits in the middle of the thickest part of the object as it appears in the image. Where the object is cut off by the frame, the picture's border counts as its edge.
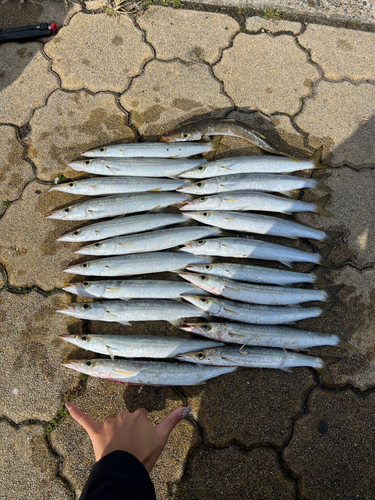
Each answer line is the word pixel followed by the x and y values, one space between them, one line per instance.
pixel 170 422
pixel 82 419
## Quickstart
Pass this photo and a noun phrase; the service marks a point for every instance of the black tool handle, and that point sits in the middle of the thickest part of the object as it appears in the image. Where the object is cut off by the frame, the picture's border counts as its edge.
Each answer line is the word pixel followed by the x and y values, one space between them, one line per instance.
pixel 27 32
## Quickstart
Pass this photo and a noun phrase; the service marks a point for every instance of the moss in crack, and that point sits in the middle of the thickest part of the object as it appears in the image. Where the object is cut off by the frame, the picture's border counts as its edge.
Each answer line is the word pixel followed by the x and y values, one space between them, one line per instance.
pixel 270 14
pixel 6 203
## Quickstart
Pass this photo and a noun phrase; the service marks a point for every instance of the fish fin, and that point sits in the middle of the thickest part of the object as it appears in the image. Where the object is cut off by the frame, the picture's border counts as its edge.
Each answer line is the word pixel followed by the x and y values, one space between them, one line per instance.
pixel 154 210
pixel 288 370
pixel 175 322
pixel 108 267
pixel 331 236
pixel 317 156
pixel 286 263
pixel 323 369
pixel 210 155
pixel 125 323
pixel 113 288
pixel 320 180
pixel 228 358
pixel 125 299
pixel 318 275
pixel 319 206
pixel 326 312
pixel 231 199
pixel 287 193
pixel 110 353
pixel 229 310
pixel 199 383
pixel 123 372
pixel 331 292
pixel 323 253
pixel 153 190
pixel 344 342
pixel 216 146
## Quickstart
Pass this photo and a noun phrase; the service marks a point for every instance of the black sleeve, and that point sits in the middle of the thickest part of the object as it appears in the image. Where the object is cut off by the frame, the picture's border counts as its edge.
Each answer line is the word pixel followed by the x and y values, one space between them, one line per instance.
pixel 118 476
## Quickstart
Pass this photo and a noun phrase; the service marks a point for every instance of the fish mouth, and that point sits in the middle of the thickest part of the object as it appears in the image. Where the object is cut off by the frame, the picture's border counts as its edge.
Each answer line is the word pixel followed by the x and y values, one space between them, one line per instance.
pixel 52 215
pixel 62 238
pixel 88 153
pixel 187 327
pixel 70 288
pixel 72 363
pixel 184 249
pixel 68 310
pixel 55 188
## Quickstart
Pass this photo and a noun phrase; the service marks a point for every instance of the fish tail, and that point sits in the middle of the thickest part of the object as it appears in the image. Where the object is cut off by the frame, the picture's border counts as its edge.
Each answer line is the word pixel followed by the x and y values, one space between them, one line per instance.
pixel 331 292
pixel 331 236
pixel 319 206
pixel 322 368
pixel 316 158
pixel 320 182
pixel 344 342
pixel 216 146
pixel 323 253
pixel 318 275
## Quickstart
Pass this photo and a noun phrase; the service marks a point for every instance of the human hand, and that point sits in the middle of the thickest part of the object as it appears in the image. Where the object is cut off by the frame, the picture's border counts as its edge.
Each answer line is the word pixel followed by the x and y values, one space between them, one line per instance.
pixel 131 432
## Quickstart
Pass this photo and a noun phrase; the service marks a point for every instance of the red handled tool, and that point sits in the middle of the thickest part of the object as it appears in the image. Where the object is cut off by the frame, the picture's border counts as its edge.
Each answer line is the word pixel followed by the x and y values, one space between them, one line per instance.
pixel 27 32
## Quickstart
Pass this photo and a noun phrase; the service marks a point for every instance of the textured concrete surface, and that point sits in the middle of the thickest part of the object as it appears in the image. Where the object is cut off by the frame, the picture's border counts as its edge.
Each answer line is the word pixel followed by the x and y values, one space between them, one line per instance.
pixel 191 36
pixel 257 434
pixel 27 467
pixel 33 380
pixel 280 73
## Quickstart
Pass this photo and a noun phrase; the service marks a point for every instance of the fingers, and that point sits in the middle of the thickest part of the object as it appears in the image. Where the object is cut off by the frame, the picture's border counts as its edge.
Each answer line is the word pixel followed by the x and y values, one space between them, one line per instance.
pixel 170 422
pixel 82 419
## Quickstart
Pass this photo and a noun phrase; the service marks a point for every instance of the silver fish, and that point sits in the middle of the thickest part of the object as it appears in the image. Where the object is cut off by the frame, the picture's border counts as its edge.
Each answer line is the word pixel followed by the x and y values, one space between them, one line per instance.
pixel 99 186
pixel 155 150
pixel 257 274
pixel 136 167
pixel 110 206
pixel 261 224
pixel 120 311
pixel 133 289
pixel 256 249
pixel 253 164
pixel 255 182
pixel 138 346
pixel 131 265
pixel 260 315
pixel 150 241
pixel 283 337
pixel 254 357
pixel 258 294
pixel 122 225
pixel 153 373
pixel 256 200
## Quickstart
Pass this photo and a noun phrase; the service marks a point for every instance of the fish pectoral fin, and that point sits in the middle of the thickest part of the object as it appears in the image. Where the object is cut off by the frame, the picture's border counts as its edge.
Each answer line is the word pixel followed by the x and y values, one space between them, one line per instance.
pixel 237 335
pixel 289 370
pixel 152 190
pixel 200 383
pixel 123 372
pixel 229 359
pixel 229 219
pixel 229 311
pixel 175 322
pixel 109 168
pixel 124 244
pixel 108 267
pixel 110 353
pixel 231 199
pixel 125 323
pixel 286 263
pixel 113 289
pixel 114 315
pixel 96 232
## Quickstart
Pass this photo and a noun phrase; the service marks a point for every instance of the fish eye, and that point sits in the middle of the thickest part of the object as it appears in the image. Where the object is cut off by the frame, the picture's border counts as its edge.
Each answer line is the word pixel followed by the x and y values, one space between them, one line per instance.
pixel 88 162
pixel 66 210
pixel 207 267
pixel 86 306
pixel 76 233
pixel 199 184
pixel 204 198
pixel 205 214
pixel 200 242
pixel 84 338
pixel 202 277
pixel 185 135
pixel 97 245
pixel 205 327
pixel 85 284
pixel 88 363
pixel 71 184
pixel 204 301
pixel 200 355
pixel 102 150
pixel 85 265
pixel 201 169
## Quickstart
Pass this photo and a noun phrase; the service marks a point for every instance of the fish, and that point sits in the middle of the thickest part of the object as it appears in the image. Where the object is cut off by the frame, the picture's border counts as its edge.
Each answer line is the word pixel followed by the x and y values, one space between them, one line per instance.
pixel 261 224
pixel 258 294
pixel 256 200
pixel 111 206
pixel 155 150
pixel 283 337
pixel 120 311
pixel 99 186
pixel 150 241
pixel 258 314
pixel 255 182
pixel 122 225
pixel 195 130
pixel 151 373
pixel 265 164
pixel 137 167
pixel 256 249
pixel 131 265
pixel 257 274
pixel 133 289
pixel 138 346
pixel 255 357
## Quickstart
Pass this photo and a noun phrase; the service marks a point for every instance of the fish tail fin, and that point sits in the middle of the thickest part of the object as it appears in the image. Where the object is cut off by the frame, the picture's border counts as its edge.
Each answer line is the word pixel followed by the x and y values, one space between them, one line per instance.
pixel 216 146
pixel 326 310
pixel 320 182
pixel 331 236
pixel 319 206
pixel 316 158
pixel 323 253
pixel 331 293
pixel 344 341
pixel 323 367
pixel 318 275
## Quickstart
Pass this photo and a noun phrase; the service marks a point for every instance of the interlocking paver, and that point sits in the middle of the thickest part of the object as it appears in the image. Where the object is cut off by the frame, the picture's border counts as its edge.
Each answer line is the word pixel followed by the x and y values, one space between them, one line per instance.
pixel 331 451
pixel 103 398
pixel 28 239
pixel 187 34
pixel 256 23
pixel 70 124
pixel 168 93
pixel 355 218
pixel 340 116
pixel 28 468
pixel 280 73
pixel 33 380
pixel 20 65
pixel 340 52
pixel 15 172
pixel 2 277
pixel 82 63
pixel 272 399
pixel 233 473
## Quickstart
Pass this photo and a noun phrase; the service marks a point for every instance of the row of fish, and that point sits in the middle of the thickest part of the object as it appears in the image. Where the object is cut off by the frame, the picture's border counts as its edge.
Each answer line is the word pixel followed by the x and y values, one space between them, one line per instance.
pixel 132 174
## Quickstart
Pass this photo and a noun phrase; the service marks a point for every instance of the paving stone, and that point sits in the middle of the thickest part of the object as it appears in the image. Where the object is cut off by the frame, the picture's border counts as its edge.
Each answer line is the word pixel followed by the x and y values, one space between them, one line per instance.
pixel 2 277
pixel 15 172
pixel 33 381
pixel 331 452
pixel 70 124
pixel 272 398
pixel 168 93
pixel 98 52
pixel 280 73
pixel 28 468
pixel 104 398
pixel 233 473
pixel 25 81
pixel 30 252
pixel 340 116
pixel 353 218
pixel 187 34
pixel 256 23
pixel 340 52
pixel 96 4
